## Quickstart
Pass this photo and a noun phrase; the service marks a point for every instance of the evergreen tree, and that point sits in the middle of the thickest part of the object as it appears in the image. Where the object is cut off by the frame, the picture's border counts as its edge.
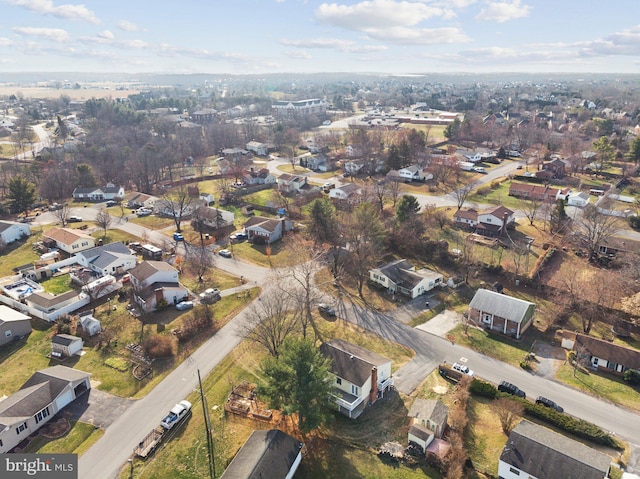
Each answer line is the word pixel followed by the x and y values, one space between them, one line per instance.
pixel 21 195
pixel 407 208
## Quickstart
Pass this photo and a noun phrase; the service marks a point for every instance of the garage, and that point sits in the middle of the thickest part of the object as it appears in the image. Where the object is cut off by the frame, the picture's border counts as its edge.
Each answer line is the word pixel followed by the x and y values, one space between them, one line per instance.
pixel 64 399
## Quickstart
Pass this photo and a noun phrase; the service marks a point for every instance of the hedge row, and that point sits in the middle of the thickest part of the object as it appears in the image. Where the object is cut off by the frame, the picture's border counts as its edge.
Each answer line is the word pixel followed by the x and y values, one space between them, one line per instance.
pixel 542 260
pixel 573 425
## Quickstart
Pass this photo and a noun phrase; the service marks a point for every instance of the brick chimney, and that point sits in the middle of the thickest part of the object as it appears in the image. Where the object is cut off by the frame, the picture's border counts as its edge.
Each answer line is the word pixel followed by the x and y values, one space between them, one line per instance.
pixel 373 393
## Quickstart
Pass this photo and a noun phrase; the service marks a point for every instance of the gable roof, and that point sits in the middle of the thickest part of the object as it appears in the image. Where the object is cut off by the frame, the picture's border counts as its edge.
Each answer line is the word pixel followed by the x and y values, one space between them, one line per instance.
pixel 497 211
pixel 65 339
pixel 629 358
pixel 267 224
pixel 401 273
pixel 146 269
pixel 501 305
pixel 429 409
pixel 351 362
pixel 545 454
pixel 266 454
pixel 103 256
pixel 8 315
pixel 48 300
pixel 66 236
pixel 5 225
pixel 469 214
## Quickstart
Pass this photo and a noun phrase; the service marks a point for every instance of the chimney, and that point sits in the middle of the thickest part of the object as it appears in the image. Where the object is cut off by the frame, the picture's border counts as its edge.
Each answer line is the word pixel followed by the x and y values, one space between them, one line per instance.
pixel 505 218
pixel 373 394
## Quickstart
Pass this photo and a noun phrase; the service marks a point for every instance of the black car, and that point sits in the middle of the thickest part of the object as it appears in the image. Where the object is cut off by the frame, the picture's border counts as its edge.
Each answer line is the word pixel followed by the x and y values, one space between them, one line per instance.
pixel 549 403
pixel 509 388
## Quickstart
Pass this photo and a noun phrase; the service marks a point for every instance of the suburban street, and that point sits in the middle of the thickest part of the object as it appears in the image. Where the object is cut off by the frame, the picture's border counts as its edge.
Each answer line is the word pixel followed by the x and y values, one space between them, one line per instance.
pixel 105 458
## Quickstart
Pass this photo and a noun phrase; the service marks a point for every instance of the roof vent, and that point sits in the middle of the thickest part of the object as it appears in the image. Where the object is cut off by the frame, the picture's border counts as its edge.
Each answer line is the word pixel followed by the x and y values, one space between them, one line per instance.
pixel 351 357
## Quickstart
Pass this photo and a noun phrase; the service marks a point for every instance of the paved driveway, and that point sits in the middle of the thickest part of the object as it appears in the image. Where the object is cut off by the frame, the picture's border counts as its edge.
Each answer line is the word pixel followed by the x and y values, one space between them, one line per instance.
pixel 98 408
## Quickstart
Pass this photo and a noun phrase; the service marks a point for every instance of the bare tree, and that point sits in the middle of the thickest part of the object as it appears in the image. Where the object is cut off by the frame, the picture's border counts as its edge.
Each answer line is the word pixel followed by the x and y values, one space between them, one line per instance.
pixel 461 194
pixel 530 209
pixel 103 220
pixel 395 191
pixel 199 259
pixel 270 321
pixel 595 227
pixel 380 191
pixel 509 412
pixel 177 204
pixel 62 214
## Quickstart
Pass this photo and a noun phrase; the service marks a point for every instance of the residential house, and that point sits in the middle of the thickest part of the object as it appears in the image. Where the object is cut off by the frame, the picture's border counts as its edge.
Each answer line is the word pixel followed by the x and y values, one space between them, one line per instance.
pixel 401 277
pixel 579 199
pixel 354 167
pixel 501 313
pixel 263 230
pixel 260 149
pixel 414 173
pixel 259 177
pixel 70 240
pixel 11 231
pixel 155 282
pixel 39 399
pixel 615 245
pixel 107 192
pixel 359 376
pixel 429 420
pixel 90 325
pixel 346 192
pixel 291 183
pixel 213 217
pixel 556 166
pixel 173 209
pixel 494 221
pixel 207 198
pixel 49 303
pixel 538 452
pixel 112 258
pixel 65 345
pixel 602 355
pixel 528 191
pixel 269 454
pixel 467 218
pixel 140 200
pixel 13 325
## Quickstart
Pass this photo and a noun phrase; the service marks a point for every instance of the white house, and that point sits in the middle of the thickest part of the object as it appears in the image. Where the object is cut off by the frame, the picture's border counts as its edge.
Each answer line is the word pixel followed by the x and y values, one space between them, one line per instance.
pixel 140 200
pixel 291 183
pixel 400 276
pixel 44 394
pixel 538 452
pixel 65 345
pixel 113 258
pixel 353 167
pixel 489 222
pixel 70 240
pixel 345 192
pixel 260 149
pixel 156 281
pixel 11 231
pixel 263 230
pixel 359 377
pixel 13 325
pixel 107 192
pixel 414 173
pixel 578 199
pixel 48 303
pixel 90 325
pixel 213 217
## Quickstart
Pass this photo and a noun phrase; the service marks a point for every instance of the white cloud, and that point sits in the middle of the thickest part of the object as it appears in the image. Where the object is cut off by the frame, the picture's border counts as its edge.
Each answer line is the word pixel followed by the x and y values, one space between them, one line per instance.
pixel 299 55
pixel 421 36
pixel 128 26
pixel 5 42
pixel 55 34
pixel 106 34
pixel 503 11
pixel 626 42
pixel 333 43
pixel 66 11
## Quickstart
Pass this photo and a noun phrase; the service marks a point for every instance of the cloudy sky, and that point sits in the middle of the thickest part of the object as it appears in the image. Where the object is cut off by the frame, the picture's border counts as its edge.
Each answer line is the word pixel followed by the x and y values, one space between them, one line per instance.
pixel 260 36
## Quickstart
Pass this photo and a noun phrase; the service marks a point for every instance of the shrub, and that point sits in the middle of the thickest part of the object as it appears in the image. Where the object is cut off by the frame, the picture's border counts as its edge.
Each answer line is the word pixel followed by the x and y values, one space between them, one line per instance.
pixel 634 221
pixel 483 388
pixel 160 346
pixel 632 376
pixel 495 185
pixel 198 321
pixel 484 191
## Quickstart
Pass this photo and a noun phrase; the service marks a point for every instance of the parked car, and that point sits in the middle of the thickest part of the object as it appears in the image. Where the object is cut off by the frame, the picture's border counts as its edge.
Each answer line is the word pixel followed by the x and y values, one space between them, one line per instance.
pixel 74 219
pixel 178 236
pixel 326 309
pixel 210 295
pixel 225 253
pixel 182 305
pixel 328 186
pixel 110 203
pixel 239 236
pixel 463 369
pixel 549 403
pixel 509 388
pixel 143 212
pixel 55 207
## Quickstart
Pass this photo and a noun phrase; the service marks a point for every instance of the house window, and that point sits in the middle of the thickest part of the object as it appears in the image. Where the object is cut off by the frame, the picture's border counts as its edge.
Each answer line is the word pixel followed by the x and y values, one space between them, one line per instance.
pixel 21 428
pixel 486 318
pixel 338 381
pixel 354 390
pixel 75 246
pixel 514 471
pixel 7 333
pixel 595 361
pixel 42 414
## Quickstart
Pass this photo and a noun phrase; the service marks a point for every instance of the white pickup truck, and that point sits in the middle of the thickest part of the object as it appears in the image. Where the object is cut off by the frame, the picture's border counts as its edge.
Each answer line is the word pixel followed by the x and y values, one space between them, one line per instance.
pixel 178 411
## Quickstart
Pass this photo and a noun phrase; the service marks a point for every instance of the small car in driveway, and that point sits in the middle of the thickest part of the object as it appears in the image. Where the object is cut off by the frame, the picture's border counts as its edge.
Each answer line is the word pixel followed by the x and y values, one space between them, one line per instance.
pixel 225 253
pixel 74 219
pixel 509 388
pixel 462 368
pixel 178 236
pixel 210 296
pixel 326 309
pixel 184 305
pixel 549 403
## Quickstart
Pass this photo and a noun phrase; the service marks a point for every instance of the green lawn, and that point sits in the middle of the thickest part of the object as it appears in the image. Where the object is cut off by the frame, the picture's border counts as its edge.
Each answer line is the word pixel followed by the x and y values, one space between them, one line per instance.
pixel 19 253
pixel 114 235
pixel 498 196
pixel 256 253
pixel 607 386
pixel 152 222
pixel 262 198
pixel 57 284
pixel 80 438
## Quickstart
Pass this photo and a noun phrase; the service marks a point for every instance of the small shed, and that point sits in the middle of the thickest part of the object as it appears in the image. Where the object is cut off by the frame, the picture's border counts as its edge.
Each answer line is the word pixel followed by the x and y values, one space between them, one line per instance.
pixel 13 325
pixel 65 345
pixel 421 436
pixel 90 325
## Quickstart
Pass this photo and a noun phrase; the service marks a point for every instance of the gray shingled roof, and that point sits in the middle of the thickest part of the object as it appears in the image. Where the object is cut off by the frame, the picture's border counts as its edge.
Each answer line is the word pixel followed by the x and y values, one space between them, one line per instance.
pixel 265 455
pixel 351 362
pixel 429 409
pixel 545 454
pixel 501 305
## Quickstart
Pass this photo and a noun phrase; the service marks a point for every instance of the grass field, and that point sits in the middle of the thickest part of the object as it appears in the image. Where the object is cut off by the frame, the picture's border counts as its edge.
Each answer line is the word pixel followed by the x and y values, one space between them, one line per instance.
pixel 57 284
pixel 80 437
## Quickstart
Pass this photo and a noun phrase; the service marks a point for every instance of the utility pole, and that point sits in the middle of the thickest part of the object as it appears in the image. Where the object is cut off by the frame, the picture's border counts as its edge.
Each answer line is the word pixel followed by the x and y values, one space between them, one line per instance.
pixel 207 425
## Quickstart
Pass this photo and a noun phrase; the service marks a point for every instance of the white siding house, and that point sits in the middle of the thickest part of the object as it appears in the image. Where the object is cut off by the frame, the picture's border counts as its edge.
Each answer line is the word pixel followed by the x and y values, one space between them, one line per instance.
pixel 11 231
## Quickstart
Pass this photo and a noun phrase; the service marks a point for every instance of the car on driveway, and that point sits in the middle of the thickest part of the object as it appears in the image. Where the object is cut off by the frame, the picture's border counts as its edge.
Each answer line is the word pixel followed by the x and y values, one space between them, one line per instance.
pixel 143 212
pixel 509 388
pixel 210 295
pixel 326 309
pixel 74 219
pixel 183 305
pixel 549 403
pixel 178 236
pixel 225 253
pixel 462 368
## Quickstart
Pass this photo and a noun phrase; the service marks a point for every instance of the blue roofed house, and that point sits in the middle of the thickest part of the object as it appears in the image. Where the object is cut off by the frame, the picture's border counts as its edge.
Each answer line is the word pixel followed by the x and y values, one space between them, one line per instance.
pixel 501 313
pixel 359 376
